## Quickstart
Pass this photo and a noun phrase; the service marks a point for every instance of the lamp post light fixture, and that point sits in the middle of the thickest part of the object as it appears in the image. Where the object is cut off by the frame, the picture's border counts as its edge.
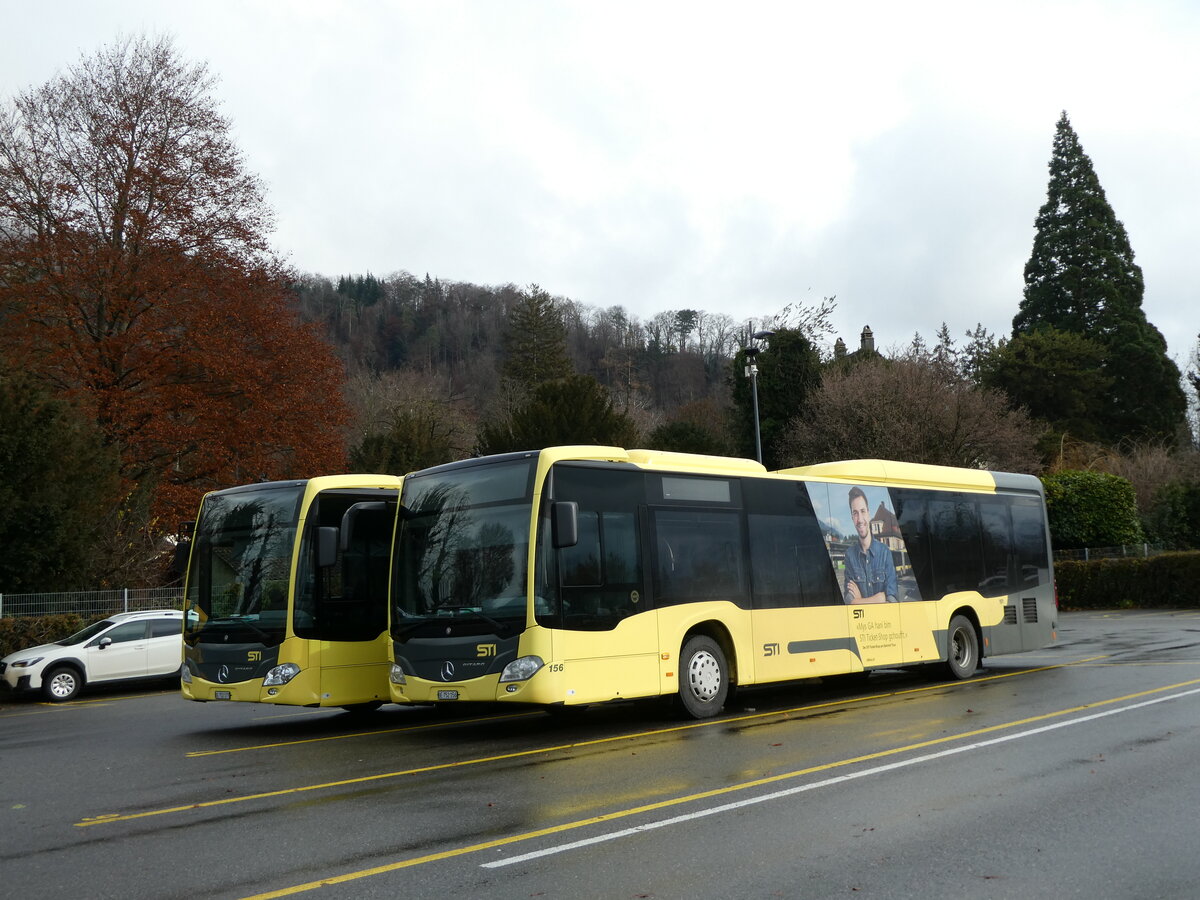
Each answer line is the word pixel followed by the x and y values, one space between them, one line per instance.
pixel 752 352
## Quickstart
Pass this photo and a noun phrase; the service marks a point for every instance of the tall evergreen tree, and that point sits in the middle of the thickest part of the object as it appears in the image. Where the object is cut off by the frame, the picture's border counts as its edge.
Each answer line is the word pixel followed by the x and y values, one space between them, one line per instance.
pixel 1057 376
pixel 789 371
pixel 1081 278
pixel 535 341
pixel 572 410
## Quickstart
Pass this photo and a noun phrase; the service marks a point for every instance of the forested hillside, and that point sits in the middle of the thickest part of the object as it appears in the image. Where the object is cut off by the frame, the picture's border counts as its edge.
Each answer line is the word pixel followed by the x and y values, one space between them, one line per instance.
pixel 455 333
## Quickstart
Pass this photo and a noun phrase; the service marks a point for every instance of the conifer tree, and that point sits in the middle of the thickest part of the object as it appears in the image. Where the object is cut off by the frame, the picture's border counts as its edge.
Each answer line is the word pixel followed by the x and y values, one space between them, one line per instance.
pixel 1081 278
pixel 535 341
pixel 572 410
pixel 789 371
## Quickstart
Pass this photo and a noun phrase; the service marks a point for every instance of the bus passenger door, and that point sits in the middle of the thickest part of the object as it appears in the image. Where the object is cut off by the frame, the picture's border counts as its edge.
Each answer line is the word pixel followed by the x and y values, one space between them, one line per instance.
pixel 608 642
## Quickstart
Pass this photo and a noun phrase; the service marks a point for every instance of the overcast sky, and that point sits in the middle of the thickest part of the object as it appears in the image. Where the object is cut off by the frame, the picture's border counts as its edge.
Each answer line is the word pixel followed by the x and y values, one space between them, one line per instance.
pixel 728 157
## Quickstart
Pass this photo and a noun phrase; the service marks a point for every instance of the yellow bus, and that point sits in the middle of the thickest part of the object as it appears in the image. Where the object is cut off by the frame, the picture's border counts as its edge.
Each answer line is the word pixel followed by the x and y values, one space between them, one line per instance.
pixel 286 593
pixel 579 575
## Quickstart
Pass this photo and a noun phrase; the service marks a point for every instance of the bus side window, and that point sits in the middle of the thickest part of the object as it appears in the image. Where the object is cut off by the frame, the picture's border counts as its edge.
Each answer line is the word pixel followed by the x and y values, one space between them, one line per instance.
pixel 996 533
pixel 957 556
pixel 346 601
pixel 914 528
pixel 600 577
pixel 580 564
pixel 1029 540
pixel 789 560
pixel 705 556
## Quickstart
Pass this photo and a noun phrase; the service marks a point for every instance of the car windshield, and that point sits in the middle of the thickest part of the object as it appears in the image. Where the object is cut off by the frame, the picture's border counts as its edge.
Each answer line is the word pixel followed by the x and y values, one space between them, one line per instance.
pixel 237 584
pixel 87 634
pixel 463 547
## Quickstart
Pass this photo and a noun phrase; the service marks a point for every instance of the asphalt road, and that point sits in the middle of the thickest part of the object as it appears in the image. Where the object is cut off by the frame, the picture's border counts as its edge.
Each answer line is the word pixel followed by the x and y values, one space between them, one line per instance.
pixel 1070 772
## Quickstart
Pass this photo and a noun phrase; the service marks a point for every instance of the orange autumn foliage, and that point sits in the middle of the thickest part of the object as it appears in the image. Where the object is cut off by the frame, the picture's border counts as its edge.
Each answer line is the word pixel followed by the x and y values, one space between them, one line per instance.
pixel 135 277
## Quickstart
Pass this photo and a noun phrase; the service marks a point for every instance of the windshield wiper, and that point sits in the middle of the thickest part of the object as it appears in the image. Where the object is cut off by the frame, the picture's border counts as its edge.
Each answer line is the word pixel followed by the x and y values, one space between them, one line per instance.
pixel 452 614
pixel 241 621
pixel 473 611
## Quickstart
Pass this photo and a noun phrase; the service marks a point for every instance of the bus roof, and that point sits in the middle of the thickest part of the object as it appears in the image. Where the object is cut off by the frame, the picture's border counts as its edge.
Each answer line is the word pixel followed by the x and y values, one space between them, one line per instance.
pixel 868 471
pixel 886 471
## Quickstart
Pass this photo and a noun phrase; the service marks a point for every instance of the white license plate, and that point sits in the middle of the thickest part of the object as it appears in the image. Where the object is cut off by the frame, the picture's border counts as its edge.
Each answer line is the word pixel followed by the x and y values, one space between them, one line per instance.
pixel 222 695
pixel 447 695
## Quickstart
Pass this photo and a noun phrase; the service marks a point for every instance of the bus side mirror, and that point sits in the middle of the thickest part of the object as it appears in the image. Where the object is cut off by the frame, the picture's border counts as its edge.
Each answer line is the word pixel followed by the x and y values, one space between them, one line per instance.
pixel 327 546
pixel 564 523
pixel 349 516
pixel 183 547
pixel 179 560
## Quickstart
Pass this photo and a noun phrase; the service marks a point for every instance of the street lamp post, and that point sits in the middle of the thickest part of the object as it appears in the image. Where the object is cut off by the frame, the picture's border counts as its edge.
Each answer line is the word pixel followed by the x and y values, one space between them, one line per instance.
pixel 752 352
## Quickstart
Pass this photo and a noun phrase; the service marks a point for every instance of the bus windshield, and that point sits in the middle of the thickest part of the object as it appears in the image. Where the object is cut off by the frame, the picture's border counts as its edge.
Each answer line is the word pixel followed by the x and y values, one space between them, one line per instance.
pixel 237 583
pixel 462 549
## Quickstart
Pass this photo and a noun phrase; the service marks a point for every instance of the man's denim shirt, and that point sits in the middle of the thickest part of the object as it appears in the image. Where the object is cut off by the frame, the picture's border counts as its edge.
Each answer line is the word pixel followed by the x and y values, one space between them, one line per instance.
pixel 874 571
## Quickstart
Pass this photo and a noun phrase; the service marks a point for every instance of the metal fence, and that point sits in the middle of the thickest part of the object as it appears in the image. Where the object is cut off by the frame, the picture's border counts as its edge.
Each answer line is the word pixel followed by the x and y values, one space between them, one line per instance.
pixel 91 604
pixel 1110 552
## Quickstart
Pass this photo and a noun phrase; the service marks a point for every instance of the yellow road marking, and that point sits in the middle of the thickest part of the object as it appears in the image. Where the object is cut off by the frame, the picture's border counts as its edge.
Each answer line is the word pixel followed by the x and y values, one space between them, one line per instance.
pixel 702 795
pixel 108 818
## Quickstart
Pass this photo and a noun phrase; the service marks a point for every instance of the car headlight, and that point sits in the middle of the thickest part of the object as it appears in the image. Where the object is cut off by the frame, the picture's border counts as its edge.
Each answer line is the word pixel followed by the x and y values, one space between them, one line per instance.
pixel 26 663
pixel 521 669
pixel 281 674
pixel 397 675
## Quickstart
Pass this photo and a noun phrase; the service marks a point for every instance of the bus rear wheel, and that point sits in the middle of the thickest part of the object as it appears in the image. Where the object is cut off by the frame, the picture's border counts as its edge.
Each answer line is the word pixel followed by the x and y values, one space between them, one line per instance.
pixel 703 678
pixel 962 658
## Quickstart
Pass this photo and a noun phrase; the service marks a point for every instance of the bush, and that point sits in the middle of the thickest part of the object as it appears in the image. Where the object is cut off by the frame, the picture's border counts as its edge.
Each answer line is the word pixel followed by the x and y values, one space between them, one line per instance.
pixel 21 632
pixel 1091 509
pixel 1174 516
pixel 1156 582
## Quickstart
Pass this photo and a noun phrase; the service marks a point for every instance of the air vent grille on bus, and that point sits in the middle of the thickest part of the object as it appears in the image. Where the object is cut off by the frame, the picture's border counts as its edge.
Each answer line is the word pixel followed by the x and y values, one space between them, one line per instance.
pixel 1010 615
pixel 1029 605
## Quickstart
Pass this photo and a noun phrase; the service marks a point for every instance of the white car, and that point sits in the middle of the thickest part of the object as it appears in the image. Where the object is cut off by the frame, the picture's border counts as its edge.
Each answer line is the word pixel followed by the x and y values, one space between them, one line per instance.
pixel 127 646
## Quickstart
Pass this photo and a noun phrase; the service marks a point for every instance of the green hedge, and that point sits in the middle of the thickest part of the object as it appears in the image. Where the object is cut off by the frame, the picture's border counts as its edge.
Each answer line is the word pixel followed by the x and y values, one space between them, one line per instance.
pixel 1169 581
pixel 28 631
pixel 1091 509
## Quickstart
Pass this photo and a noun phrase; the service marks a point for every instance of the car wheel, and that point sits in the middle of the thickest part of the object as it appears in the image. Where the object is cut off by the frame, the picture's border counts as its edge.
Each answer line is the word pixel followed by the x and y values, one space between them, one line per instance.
pixel 61 683
pixel 703 678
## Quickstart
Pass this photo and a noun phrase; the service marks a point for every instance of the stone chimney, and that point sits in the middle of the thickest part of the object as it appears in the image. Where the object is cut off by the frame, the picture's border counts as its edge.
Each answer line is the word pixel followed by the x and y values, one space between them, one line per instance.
pixel 868 340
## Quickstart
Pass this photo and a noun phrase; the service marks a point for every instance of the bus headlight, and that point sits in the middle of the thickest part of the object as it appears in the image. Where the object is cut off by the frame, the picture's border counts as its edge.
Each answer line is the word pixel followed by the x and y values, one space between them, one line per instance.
pixel 281 674
pixel 397 675
pixel 185 674
pixel 521 669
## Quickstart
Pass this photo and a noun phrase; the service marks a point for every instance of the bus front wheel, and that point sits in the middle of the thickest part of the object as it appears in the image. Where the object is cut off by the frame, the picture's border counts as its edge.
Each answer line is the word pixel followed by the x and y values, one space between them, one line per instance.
pixel 703 678
pixel 962 658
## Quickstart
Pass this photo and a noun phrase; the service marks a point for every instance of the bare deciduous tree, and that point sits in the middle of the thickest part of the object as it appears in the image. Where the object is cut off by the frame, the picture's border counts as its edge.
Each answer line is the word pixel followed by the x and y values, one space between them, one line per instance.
pixel 909 410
